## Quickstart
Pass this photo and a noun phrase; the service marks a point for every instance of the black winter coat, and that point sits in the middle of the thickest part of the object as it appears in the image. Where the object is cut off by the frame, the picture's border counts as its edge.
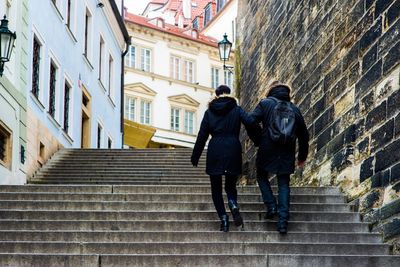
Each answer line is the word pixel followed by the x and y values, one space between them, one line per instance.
pixel 273 157
pixel 222 121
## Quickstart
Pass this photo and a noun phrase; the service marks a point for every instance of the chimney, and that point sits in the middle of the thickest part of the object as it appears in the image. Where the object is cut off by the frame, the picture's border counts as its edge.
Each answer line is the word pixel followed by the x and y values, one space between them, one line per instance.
pixel 187 9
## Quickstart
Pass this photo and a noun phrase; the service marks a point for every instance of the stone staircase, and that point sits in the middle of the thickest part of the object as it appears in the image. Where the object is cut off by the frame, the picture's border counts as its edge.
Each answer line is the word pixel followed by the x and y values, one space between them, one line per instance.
pixel 152 208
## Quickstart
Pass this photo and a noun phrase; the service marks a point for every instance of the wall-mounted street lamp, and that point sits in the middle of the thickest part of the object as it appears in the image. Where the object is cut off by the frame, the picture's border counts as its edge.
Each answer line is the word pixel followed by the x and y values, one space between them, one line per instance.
pixel 7 39
pixel 225 48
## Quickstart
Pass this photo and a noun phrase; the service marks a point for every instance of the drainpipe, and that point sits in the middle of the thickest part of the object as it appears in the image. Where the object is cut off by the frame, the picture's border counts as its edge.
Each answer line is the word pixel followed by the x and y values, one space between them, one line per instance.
pixel 128 42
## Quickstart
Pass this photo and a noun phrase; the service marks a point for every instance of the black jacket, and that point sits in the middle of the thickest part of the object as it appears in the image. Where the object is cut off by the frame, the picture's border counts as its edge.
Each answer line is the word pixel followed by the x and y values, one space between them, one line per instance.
pixel 222 121
pixel 272 157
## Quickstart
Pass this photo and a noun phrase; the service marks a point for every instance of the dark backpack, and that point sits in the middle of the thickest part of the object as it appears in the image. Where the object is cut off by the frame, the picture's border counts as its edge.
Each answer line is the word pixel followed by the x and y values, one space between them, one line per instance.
pixel 282 123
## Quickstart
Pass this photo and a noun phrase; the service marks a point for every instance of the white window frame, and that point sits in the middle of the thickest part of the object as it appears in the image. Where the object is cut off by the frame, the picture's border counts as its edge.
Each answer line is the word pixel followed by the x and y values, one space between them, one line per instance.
pixel 188 129
pixel 144 113
pixel 215 77
pixel 145 62
pixel 175 67
pixel 228 79
pixel 187 76
pixel 130 114
pixel 175 124
pixel 87 43
pixel 130 61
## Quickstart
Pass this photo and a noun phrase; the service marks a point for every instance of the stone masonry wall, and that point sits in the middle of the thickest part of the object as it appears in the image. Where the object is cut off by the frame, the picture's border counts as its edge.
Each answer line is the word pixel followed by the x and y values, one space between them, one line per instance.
pixel 342 59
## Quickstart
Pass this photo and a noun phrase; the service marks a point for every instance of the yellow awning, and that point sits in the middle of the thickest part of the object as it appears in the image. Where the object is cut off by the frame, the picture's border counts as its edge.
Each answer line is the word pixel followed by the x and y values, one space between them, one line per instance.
pixel 137 135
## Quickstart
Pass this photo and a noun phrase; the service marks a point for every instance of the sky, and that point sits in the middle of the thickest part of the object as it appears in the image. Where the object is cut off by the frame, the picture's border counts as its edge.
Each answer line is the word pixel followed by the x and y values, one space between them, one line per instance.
pixel 136 6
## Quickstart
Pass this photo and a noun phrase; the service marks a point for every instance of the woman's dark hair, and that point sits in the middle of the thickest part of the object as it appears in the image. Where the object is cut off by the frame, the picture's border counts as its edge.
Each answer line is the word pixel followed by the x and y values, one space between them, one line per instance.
pixel 222 89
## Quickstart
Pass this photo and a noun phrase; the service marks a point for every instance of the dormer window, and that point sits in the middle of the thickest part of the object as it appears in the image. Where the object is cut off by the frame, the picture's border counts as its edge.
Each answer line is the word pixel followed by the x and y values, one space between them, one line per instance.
pixel 160 23
pixel 207 14
pixel 196 23
pixel 195 34
pixel 220 4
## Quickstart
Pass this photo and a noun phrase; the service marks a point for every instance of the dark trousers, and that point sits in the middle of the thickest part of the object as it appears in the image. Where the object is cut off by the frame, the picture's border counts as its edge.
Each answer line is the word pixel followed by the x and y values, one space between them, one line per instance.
pixel 283 194
pixel 216 191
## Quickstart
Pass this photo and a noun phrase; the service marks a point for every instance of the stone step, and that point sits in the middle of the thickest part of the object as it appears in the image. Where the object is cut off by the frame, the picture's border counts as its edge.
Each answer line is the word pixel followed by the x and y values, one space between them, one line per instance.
pixel 188 236
pixel 157 206
pixel 165 197
pixel 192 248
pixel 115 182
pixel 103 213
pixel 174 225
pixel 54 260
pixel 121 175
pixel 140 165
pixel 133 189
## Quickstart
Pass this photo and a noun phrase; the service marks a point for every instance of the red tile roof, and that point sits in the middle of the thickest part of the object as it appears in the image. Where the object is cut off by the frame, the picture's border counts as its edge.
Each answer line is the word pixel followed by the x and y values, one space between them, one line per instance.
pixel 171 29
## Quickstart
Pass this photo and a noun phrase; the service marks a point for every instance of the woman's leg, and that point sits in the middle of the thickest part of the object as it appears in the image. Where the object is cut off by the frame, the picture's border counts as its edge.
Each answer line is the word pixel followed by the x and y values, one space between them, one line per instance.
pixel 216 193
pixel 231 192
pixel 230 188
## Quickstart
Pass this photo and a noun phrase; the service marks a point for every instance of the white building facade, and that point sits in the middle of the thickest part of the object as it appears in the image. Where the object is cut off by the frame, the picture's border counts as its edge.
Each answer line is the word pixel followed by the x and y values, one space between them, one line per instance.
pixel 74 84
pixel 170 78
pixel 13 133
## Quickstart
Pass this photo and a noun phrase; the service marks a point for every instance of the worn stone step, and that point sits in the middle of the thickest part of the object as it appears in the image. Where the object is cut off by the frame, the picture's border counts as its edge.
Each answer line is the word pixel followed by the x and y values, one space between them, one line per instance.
pixel 192 248
pixel 330 260
pixel 133 189
pixel 104 213
pixel 62 167
pixel 164 197
pixel 188 236
pixel 176 225
pixel 166 206
pixel 126 175
pixel 57 260
pixel 114 182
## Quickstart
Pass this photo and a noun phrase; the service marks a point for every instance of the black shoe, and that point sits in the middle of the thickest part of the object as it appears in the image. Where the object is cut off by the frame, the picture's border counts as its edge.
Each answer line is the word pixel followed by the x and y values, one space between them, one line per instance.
pixel 271 213
pixel 237 218
pixel 224 223
pixel 282 228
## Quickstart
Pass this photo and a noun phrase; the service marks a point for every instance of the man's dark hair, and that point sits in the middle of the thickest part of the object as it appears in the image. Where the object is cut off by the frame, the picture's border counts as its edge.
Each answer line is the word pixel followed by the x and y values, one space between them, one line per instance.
pixel 222 89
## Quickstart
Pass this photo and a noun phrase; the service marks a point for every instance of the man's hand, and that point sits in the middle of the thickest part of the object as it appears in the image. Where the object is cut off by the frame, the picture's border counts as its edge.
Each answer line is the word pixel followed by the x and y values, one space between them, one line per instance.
pixel 301 163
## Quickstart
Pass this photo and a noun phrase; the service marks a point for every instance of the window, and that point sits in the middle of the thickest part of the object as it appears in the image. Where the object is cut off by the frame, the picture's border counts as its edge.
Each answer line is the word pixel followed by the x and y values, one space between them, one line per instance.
pixel 67 89
pixel 175 114
pixel 110 75
pixel 220 4
pixel 52 89
pixel 109 143
pixel 88 26
pixel 175 67
pixel 207 14
pixel 101 58
pixel 5 146
pixel 228 78
pixel 188 71
pixel 99 133
pixel 145 59
pixel 36 67
pixel 130 58
pixel 69 13
pixel 189 122
pixel 130 105
pixel 145 112
pixel 214 78
pixel 196 23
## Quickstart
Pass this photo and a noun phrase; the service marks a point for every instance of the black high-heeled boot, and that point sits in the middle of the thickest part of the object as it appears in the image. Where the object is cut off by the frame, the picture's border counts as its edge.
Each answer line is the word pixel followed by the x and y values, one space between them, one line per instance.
pixel 224 223
pixel 237 218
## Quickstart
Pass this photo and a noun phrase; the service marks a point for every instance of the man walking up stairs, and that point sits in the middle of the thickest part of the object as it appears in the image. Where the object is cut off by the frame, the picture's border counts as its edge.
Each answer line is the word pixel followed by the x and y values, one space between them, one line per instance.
pixel 151 208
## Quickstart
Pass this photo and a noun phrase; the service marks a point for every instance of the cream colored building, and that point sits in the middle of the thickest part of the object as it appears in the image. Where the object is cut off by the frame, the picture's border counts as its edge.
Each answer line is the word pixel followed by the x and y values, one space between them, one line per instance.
pixel 170 76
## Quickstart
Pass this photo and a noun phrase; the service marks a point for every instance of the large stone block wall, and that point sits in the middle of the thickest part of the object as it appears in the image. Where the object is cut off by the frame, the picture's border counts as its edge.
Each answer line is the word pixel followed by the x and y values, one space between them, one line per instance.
pixel 342 59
